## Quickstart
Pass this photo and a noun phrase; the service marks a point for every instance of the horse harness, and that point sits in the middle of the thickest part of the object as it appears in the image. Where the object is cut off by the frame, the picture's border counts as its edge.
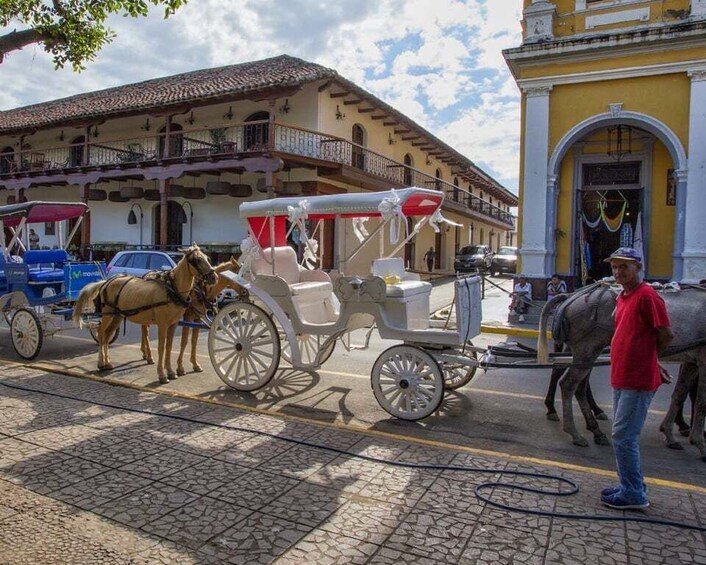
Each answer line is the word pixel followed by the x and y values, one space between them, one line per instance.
pixel 165 277
pixel 561 325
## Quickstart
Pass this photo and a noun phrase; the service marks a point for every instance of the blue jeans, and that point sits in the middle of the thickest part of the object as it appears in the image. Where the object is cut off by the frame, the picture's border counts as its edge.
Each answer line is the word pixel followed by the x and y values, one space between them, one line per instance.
pixel 629 415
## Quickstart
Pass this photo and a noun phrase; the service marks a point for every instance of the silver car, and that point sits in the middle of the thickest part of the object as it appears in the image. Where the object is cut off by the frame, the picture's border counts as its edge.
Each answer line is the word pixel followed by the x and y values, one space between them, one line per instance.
pixel 138 263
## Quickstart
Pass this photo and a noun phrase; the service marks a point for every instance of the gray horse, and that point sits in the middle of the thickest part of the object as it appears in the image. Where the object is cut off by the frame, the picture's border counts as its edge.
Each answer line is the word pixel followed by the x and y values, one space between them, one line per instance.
pixel 584 322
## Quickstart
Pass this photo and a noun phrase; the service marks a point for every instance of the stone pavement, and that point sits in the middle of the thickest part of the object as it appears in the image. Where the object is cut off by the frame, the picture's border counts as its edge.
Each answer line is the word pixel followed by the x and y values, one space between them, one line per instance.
pixel 88 476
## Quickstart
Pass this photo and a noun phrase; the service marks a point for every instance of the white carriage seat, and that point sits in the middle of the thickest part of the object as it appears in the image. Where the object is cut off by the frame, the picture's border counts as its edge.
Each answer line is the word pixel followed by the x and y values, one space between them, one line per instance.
pixel 312 291
pixel 409 284
pixel 300 281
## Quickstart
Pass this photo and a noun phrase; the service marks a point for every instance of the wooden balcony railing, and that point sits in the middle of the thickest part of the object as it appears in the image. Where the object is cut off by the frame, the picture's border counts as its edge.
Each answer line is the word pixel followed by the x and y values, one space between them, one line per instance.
pixel 239 138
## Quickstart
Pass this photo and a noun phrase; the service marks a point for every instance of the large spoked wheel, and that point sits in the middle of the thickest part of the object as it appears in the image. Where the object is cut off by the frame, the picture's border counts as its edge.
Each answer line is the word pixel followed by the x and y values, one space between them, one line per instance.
pixel 407 382
pixel 457 375
pixel 309 346
pixel 26 331
pixel 244 346
pixel 93 329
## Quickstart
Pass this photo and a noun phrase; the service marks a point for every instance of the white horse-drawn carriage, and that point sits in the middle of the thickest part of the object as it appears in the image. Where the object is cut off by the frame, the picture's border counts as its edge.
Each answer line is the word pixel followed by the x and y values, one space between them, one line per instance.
pixel 299 312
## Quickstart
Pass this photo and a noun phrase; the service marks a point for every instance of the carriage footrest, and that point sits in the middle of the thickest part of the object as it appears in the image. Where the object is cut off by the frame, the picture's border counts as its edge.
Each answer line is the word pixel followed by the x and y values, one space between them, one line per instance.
pixel 197 325
pixel 67 313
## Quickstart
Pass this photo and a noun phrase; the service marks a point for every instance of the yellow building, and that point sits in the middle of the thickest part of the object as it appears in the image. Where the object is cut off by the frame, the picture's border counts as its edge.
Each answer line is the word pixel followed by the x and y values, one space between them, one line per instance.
pixel 613 141
pixel 168 161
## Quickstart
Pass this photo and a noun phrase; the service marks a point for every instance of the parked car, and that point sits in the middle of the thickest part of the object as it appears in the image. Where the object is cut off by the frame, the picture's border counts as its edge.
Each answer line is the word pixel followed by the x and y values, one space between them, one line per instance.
pixel 139 262
pixel 504 261
pixel 472 258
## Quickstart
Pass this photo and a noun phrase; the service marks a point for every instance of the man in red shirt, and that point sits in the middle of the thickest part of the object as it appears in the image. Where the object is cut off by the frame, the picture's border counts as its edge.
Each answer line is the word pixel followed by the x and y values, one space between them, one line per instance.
pixel 641 332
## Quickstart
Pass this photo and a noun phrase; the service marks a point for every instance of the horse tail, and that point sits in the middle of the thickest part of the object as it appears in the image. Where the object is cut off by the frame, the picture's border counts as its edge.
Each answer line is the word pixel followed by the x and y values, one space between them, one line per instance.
pixel 542 347
pixel 87 295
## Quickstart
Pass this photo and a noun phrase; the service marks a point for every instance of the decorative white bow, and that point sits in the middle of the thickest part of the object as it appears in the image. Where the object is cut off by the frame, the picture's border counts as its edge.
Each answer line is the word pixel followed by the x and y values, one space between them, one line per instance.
pixel 297 214
pixel 250 250
pixel 359 228
pixel 436 219
pixel 311 250
pixel 391 209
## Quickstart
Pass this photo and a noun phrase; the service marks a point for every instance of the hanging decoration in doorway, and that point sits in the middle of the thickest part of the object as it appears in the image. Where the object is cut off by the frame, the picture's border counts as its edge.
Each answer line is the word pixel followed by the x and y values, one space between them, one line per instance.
pixel 593 224
pixel 584 252
pixel 613 224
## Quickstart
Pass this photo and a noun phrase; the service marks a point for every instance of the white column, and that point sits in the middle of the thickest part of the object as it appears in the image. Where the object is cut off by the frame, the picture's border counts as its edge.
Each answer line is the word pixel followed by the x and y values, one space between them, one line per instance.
pixel 698 8
pixel 694 253
pixel 534 196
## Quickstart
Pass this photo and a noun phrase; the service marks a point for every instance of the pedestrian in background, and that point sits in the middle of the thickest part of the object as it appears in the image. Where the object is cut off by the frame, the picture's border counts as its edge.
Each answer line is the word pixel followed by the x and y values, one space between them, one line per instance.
pixel 429 257
pixel 642 330
pixel 555 286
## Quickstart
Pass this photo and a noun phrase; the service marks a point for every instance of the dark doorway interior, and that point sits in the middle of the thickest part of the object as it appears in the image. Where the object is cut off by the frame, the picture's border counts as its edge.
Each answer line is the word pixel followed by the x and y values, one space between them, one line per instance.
pixel 174 226
pixel 608 209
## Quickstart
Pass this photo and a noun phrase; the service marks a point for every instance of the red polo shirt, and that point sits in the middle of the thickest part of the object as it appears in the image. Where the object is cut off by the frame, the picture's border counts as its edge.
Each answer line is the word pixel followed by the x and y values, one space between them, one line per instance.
pixel 633 350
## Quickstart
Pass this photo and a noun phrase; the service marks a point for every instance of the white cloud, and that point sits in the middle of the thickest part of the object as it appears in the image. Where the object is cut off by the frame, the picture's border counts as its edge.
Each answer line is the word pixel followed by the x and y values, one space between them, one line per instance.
pixel 437 61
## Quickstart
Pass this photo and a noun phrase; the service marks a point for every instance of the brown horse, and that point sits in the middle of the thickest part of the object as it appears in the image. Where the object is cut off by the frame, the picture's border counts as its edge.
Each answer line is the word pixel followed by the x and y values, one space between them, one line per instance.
pixel 160 299
pixel 203 297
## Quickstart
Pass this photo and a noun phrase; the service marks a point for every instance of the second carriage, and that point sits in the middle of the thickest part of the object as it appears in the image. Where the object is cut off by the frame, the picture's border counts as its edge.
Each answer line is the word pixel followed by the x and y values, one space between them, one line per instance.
pixel 300 312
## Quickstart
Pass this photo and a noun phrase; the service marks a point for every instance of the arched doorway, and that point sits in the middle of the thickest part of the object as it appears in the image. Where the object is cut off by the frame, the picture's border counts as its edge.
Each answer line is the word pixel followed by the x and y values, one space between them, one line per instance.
pixel 7 160
pixel 174 226
pixel 77 151
pixel 409 164
pixel 589 143
pixel 256 136
pixel 357 152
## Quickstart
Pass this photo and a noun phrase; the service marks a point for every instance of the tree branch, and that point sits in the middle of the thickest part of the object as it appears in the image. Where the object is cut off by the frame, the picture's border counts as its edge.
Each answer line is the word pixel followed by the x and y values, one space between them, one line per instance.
pixel 18 39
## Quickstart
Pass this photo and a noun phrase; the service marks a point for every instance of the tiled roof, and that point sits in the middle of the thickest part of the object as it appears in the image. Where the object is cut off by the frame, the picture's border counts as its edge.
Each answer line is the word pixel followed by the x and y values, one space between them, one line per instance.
pixel 232 80
pixel 219 83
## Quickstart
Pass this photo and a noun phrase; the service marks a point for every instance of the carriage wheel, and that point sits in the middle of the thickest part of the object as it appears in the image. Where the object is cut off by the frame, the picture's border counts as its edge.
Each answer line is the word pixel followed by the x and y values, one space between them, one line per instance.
pixel 407 382
pixel 93 329
pixel 244 347
pixel 457 375
pixel 309 346
pixel 26 332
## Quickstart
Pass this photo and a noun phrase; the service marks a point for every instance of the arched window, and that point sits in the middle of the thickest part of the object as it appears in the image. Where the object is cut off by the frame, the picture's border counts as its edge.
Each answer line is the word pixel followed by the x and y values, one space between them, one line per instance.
pixel 257 136
pixel 438 184
pixel 76 151
pixel 7 160
pixel 176 141
pixel 409 164
pixel 457 192
pixel 357 153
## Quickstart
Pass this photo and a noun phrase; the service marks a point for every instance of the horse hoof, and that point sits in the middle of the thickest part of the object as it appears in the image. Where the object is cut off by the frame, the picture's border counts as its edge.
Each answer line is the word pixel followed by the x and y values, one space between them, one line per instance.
pixel 108 367
pixel 150 361
pixel 181 372
pixel 675 445
pixel 601 440
pixel 601 416
pixel 581 442
pixel 553 417
pixel 172 376
pixel 198 369
pixel 163 379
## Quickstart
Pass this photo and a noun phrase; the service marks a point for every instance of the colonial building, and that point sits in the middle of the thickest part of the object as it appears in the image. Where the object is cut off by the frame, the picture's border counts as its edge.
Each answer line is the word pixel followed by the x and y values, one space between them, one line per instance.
pixel 167 161
pixel 613 141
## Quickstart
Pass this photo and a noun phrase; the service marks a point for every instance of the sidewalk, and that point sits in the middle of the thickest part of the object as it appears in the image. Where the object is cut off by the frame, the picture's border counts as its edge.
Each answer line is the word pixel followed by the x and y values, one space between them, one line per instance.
pixel 95 476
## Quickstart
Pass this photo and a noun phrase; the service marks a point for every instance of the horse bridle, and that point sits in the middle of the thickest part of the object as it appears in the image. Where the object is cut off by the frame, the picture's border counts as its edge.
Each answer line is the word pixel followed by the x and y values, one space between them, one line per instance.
pixel 193 264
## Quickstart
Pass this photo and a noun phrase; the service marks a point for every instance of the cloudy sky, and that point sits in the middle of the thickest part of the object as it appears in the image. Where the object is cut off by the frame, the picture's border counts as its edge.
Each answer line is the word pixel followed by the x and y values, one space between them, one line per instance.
pixel 437 61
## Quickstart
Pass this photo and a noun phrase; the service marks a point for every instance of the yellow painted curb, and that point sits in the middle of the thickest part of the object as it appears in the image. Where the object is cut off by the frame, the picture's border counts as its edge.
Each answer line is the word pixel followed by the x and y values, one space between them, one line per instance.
pixel 361 430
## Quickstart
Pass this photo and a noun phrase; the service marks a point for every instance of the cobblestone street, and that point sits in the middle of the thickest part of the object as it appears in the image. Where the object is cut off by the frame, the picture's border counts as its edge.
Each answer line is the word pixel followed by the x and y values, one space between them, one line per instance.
pixel 88 476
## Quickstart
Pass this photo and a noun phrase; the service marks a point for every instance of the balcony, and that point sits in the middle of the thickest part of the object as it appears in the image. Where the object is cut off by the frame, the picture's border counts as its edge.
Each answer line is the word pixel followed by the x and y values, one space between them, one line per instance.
pixel 237 141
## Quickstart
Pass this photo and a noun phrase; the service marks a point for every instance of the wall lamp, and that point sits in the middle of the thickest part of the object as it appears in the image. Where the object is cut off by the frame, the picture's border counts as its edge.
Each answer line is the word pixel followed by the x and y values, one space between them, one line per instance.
pixel 190 119
pixel 339 115
pixel 132 218
pixel 391 140
pixel 284 109
pixel 95 131
pixel 229 114
pixel 147 126
pixel 184 219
